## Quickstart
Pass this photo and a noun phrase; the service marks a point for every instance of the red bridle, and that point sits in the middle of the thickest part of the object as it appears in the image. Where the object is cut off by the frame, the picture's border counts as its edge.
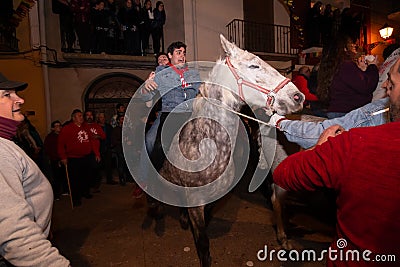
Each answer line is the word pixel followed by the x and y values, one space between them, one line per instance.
pixel 270 93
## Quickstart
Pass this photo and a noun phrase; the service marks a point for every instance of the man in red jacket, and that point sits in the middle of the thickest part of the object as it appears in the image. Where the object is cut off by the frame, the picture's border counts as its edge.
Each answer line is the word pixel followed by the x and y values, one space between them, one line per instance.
pixel 361 165
pixel 75 148
pixel 301 82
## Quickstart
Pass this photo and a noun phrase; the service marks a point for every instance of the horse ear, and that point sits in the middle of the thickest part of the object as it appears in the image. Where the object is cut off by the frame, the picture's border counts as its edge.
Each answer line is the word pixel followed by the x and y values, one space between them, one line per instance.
pixel 227 46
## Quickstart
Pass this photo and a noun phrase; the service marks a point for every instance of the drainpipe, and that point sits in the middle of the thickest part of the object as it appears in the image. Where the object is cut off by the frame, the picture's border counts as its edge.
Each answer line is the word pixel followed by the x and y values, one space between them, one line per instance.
pixel 43 50
pixel 194 25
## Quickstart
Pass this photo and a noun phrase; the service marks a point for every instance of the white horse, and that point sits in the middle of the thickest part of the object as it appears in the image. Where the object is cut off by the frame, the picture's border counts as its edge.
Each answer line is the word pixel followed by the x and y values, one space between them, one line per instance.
pixel 200 156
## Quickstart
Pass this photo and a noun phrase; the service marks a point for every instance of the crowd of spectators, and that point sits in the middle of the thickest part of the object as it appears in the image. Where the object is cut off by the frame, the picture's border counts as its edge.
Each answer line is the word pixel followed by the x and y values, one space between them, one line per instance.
pixel 87 146
pixel 110 26
pixel 323 23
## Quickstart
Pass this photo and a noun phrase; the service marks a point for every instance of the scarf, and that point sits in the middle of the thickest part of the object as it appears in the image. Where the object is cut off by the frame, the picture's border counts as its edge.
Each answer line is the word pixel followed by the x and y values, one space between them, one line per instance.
pixel 8 128
pixel 180 72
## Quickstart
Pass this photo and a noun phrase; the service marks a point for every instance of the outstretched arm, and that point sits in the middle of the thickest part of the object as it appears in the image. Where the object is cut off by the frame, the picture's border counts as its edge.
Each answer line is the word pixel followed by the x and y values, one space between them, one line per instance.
pixel 306 134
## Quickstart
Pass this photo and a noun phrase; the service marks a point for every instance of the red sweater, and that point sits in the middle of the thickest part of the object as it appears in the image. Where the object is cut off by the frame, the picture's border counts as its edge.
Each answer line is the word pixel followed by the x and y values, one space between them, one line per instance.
pixel 74 142
pixel 96 134
pixel 302 84
pixel 362 165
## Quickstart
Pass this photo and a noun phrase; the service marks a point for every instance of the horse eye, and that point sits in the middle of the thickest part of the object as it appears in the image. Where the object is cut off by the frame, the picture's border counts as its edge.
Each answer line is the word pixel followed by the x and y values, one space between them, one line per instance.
pixel 254 67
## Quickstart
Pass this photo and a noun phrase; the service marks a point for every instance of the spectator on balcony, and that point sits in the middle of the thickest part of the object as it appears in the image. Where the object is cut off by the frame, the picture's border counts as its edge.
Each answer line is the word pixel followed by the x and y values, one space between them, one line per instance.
pixel 158 26
pixel 99 25
pixel 336 22
pixel 350 23
pixel 326 25
pixel 147 26
pixel 81 14
pixel 63 9
pixel 346 80
pixel 129 17
pixel 114 27
pixel 312 25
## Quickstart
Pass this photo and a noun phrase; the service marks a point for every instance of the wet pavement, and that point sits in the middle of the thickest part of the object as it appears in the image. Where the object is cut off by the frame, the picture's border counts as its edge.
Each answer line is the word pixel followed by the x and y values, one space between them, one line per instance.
pixel 106 231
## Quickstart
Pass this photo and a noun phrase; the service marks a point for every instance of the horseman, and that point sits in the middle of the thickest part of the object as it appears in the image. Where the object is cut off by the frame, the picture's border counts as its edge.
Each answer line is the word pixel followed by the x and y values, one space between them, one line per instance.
pixel 177 84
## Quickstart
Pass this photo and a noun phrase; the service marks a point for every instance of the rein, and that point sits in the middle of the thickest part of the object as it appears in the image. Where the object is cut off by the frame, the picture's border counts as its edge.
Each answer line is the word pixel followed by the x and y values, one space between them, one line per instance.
pixel 233 111
pixel 270 93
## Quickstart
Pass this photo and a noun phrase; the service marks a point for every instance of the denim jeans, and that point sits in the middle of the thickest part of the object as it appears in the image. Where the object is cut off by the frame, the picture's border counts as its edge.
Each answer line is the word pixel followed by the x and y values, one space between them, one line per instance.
pixel 150 139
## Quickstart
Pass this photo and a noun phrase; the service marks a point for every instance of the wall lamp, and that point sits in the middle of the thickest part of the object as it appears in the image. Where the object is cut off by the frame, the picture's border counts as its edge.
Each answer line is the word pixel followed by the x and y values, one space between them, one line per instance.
pixel 386 31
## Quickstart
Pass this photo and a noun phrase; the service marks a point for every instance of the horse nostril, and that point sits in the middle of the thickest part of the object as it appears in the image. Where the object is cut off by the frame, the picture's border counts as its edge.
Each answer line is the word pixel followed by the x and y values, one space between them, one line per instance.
pixel 298 98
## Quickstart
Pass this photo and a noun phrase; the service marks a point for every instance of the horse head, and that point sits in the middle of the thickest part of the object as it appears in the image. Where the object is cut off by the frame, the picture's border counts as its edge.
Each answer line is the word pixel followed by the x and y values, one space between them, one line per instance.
pixel 259 84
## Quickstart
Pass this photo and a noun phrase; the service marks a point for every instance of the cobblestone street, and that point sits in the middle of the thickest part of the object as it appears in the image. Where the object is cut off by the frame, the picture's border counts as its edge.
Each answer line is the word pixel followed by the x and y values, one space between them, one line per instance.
pixel 106 231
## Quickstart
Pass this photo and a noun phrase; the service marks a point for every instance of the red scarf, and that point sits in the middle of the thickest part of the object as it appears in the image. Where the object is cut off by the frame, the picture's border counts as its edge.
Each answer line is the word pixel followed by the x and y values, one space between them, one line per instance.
pixel 180 72
pixel 8 128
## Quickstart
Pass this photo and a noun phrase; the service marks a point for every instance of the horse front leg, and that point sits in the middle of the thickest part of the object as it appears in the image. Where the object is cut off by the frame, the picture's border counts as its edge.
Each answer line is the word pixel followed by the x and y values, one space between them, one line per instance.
pixel 201 240
pixel 278 203
pixel 184 218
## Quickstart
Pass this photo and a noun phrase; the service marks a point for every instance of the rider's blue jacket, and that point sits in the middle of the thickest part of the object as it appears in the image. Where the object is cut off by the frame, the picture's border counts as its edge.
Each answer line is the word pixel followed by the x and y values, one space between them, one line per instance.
pixel 173 95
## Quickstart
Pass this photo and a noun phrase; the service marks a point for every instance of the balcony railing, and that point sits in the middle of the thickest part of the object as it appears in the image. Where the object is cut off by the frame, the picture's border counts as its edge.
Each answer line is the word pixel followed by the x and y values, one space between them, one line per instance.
pixel 261 38
pixel 8 41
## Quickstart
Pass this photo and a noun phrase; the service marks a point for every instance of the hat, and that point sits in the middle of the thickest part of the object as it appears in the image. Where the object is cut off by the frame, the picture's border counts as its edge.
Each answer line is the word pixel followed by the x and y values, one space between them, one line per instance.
pixel 6 84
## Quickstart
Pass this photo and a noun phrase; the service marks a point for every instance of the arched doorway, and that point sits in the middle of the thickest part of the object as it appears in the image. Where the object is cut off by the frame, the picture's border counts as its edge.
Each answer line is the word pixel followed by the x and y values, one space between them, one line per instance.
pixel 110 89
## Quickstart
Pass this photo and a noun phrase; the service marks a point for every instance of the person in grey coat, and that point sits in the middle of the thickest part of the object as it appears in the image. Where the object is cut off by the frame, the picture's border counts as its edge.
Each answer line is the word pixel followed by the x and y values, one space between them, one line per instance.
pixel 26 197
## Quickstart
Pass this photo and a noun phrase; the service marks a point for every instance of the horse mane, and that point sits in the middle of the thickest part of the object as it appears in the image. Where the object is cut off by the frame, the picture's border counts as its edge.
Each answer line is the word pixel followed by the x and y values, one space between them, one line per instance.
pixel 217 91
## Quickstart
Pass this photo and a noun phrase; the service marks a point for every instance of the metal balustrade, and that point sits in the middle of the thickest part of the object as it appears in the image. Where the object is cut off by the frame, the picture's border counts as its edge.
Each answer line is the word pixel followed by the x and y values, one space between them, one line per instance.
pixel 262 38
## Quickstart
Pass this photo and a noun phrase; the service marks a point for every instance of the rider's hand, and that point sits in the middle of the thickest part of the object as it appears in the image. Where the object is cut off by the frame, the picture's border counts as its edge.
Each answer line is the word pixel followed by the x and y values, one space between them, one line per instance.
pixel 151 76
pixel 150 85
pixel 275 120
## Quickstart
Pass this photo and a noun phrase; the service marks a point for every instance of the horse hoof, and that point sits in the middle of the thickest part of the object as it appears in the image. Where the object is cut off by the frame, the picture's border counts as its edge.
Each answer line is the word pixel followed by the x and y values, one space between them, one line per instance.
pixel 287 245
pixel 159 229
pixel 147 222
pixel 184 222
pixel 206 262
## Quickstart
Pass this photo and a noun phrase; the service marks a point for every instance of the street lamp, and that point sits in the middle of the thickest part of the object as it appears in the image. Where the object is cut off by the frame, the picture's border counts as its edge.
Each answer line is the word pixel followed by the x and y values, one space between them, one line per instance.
pixel 386 31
